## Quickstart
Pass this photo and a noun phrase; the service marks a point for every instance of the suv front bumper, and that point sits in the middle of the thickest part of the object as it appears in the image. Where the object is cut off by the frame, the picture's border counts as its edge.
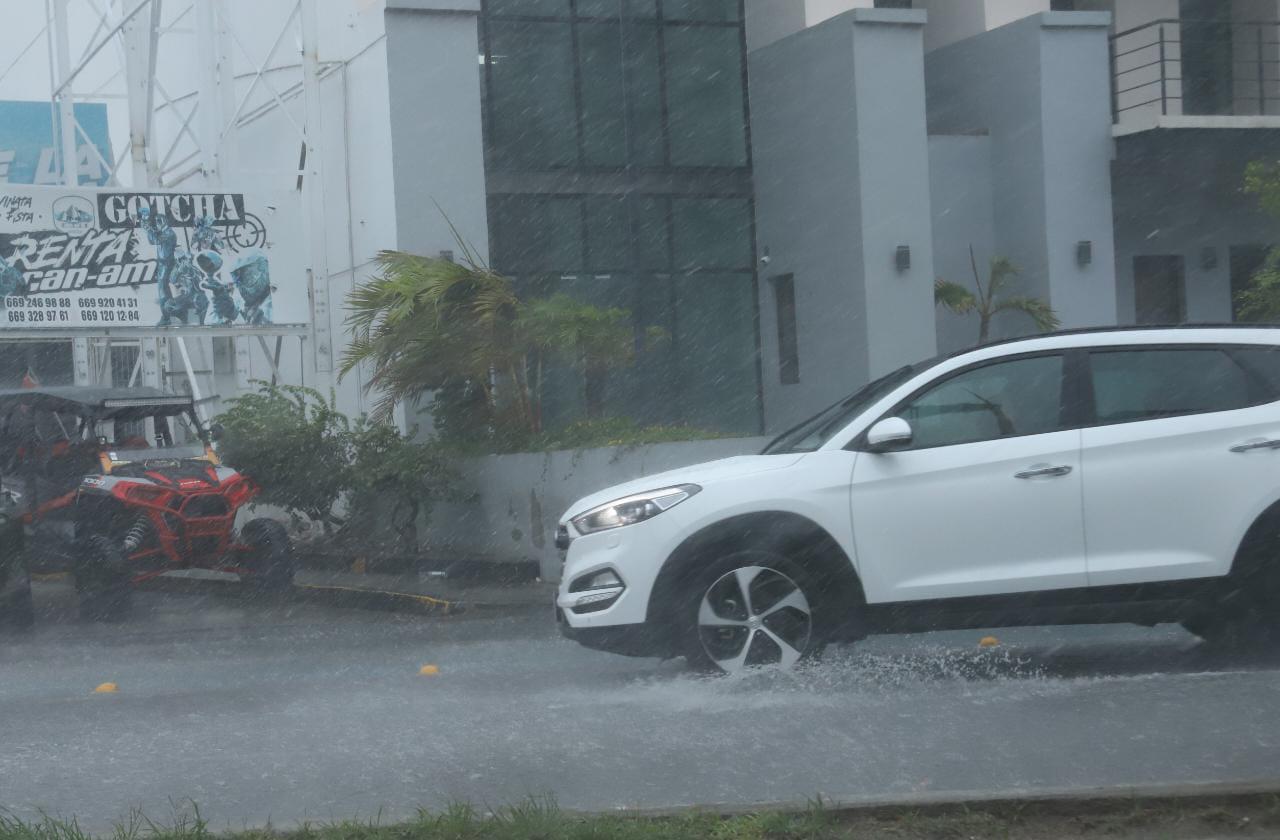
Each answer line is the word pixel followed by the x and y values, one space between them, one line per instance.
pixel 641 639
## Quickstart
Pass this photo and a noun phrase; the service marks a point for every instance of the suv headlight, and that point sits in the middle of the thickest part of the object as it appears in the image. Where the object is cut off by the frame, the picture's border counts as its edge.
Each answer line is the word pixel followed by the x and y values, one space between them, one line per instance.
pixel 632 509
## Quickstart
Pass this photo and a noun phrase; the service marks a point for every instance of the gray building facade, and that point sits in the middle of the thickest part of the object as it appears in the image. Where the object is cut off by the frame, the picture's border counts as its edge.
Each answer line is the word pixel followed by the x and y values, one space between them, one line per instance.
pixel 778 184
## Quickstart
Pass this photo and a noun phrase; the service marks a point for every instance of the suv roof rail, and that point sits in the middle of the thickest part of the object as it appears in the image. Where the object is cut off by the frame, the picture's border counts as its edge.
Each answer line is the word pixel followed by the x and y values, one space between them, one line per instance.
pixel 1116 329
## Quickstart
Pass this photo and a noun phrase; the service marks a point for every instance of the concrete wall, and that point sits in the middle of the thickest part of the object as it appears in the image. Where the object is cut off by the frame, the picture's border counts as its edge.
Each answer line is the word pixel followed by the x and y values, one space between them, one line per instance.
pixel 1039 86
pixel 960 182
pixel 436 132
pixel 518 499
pixel 841 169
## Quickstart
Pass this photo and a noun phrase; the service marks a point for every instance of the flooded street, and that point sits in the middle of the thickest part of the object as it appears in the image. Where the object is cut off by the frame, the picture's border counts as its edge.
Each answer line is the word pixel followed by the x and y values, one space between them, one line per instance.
pixel 300 712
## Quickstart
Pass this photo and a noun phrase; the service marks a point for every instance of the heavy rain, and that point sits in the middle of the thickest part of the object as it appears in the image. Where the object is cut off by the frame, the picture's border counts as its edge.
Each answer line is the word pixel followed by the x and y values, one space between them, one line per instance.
pixel 674 418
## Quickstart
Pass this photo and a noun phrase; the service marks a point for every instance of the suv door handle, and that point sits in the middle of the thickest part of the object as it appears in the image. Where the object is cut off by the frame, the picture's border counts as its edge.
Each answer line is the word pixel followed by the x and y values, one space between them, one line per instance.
pixel 1043 471
pixel 1259 443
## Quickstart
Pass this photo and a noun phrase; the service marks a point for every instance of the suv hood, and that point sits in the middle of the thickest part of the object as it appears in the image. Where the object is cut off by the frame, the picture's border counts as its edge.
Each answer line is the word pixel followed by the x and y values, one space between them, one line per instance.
pixel 726 469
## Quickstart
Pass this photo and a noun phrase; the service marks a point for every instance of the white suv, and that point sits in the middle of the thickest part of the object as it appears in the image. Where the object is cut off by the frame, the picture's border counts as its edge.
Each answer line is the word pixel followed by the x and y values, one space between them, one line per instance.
pixel 1097 476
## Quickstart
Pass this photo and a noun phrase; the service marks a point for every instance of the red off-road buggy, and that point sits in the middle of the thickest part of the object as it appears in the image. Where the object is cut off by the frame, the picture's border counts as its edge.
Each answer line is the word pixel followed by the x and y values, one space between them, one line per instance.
pixel 119 485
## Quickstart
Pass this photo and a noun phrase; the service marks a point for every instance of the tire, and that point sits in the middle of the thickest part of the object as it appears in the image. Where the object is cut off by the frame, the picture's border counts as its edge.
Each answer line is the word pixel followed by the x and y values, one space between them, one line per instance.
pixel 270 559
pixel 102 580
pixel 1247 615
pixel 751 610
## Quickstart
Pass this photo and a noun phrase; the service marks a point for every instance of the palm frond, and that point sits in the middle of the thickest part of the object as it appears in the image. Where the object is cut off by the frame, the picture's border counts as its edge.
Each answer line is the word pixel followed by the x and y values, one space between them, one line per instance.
pixel 954 296
pixel 1045 319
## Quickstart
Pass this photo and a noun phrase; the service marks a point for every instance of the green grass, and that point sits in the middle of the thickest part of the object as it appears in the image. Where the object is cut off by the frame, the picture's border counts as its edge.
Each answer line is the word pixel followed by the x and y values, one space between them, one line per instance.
pixel 1255 815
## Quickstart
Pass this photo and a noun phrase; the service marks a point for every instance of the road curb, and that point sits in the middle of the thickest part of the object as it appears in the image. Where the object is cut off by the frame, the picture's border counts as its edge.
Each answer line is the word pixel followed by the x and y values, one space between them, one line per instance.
pixel 353 597
pixel 1044 800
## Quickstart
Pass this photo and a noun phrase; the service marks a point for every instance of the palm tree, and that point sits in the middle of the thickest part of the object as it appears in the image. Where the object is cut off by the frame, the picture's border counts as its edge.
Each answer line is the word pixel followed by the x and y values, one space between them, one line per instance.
pixel 592 339
pixel 424 323
pixel 960 300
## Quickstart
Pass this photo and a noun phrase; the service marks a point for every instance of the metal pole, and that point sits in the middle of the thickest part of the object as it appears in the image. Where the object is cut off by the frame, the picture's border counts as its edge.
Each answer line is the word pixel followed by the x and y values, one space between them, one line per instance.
pixel 191 379
pixel 1115 82
pixel 141 34
pixel 313 190
pixel 66 113
pixel 1262 92
pixel 1164 99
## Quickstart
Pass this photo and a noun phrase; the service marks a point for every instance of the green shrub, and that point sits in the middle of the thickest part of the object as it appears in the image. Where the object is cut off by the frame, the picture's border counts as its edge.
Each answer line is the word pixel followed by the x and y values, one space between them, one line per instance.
pixel 293 443
pixel 305 454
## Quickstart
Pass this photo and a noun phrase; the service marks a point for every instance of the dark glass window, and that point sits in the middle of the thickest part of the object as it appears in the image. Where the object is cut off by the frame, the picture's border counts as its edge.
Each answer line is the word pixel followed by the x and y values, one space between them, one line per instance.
pixel 1149 384
pixel 613 8
pixel 1004 399
pixel 1263 366
pixel 653 245
pixel 533 121
pixel 644 95
pixel 608 238
pixel 716 351
pixel 712 232
pixel 784 296
pixel 704 96
pixel 720 10
pixel 535 233
pixel 604 137
pixel 540 8
pixel 893 4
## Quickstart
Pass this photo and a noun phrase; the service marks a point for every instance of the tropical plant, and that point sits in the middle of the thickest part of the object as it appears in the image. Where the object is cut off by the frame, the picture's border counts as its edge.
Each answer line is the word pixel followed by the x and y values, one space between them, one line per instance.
pixel 592 340
pixel 424 323
pixel 1260 299
pixel 306 455
pixel 988 302
pixel 459 331
pixel 293 443
pixel 392 474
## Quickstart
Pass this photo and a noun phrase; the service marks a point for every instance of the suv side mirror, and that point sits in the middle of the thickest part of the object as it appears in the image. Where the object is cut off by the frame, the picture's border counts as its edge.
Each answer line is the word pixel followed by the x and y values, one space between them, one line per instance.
pixel 888 434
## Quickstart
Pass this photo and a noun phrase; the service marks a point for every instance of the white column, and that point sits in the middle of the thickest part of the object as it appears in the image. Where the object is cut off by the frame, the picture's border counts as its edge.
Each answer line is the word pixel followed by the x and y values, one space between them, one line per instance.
pixel 313 192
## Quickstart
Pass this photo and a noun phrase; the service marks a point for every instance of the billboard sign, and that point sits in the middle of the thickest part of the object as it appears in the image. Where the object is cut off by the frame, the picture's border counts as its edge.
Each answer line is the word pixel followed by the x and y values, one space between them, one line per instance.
pixel 84 258
pixel 29 134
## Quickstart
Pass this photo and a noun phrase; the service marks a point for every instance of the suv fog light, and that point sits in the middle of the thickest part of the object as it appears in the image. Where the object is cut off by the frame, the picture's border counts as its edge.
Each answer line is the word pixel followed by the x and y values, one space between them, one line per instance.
pixel 602 579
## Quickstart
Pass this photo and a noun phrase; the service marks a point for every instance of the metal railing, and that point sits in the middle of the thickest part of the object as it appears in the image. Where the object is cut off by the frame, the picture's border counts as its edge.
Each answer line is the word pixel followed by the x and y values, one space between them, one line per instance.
pixel 1212 68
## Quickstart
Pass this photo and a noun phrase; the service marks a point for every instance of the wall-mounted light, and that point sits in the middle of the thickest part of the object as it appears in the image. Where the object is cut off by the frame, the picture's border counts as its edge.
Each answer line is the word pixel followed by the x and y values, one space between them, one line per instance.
pixel 902 257
pixel 1084 252
pixel 1208 258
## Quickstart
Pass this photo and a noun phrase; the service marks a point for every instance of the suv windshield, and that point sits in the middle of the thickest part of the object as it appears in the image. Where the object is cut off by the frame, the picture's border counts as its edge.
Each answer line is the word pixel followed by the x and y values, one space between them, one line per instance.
pixel 818 429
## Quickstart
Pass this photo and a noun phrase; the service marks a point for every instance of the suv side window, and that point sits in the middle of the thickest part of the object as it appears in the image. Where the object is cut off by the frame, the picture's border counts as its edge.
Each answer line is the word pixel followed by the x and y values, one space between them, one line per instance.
pixel 1149 384
pixel 1003 399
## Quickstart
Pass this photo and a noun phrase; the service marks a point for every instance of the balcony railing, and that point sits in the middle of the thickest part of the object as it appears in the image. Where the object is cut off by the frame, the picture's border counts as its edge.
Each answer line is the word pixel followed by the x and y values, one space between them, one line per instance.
pixel 1195 67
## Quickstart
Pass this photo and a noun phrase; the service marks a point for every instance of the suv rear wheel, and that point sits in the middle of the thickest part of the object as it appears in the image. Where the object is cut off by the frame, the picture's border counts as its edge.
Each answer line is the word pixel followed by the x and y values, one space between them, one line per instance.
pixel 102 580
pixel 751 609
pixel 270 558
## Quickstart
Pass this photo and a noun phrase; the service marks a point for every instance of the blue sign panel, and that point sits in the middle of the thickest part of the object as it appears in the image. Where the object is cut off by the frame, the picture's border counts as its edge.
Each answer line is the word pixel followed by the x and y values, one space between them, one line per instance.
pixel 30 139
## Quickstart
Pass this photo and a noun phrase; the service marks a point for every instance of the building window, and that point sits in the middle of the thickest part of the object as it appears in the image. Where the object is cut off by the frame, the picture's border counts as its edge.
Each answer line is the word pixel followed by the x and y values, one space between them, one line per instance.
pixel 591 108
pixel 1062 5
pixel 784 297
pixel 893 4
pixel 610 83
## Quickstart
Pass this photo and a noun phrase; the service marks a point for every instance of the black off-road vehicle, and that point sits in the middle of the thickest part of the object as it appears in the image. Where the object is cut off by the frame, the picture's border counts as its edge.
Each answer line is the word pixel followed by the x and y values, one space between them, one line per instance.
pixel 119 485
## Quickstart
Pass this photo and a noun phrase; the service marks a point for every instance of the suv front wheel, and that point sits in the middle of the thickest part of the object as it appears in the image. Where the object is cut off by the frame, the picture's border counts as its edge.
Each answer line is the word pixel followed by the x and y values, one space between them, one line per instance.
pixel 751 609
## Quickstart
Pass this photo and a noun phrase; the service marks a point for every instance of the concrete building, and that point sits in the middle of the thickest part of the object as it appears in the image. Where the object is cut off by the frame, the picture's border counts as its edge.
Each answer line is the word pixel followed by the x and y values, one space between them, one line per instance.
pixel 777 184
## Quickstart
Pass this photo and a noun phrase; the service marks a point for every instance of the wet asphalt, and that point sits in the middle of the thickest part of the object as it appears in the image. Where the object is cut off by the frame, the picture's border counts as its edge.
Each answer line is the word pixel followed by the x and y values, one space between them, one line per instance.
pixel 282 713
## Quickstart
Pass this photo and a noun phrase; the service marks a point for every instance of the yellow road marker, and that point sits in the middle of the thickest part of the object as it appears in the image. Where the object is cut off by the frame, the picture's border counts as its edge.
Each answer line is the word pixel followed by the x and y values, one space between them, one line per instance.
pixel 106 688
pixel 429 671
pixel 988 641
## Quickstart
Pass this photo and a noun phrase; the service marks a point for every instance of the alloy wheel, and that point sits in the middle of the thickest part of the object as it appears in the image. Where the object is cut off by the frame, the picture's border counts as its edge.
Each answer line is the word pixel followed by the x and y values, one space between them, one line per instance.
pixel 754 617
